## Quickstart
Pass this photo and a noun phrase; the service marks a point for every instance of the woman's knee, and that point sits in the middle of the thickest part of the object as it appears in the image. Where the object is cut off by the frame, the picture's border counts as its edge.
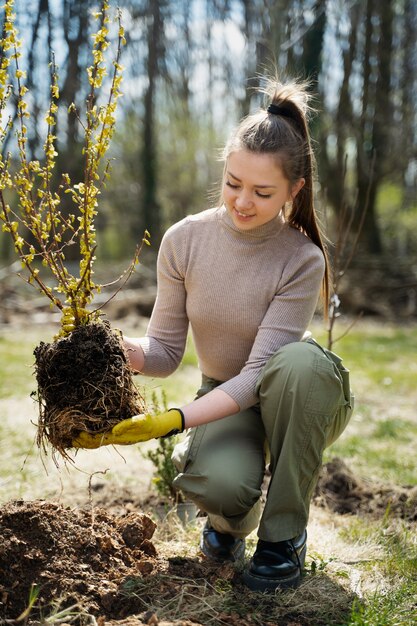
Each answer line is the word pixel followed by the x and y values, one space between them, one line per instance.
pixel 229 497
pixel 219 492
pixel 301 374
pixel 294 360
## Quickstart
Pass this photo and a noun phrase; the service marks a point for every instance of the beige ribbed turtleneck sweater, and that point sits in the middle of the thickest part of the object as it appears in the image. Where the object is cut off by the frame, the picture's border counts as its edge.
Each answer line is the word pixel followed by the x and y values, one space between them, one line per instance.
pixel 244 293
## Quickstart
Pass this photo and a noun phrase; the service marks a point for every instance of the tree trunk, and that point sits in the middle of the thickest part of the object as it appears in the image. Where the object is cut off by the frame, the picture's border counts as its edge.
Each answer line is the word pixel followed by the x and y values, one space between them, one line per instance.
pixel 371 176
pixel 151 211
pixel 75 21
pixel 313 44
pixel 334 170
pixel 251 79
pixel 366 171
pixel 407 150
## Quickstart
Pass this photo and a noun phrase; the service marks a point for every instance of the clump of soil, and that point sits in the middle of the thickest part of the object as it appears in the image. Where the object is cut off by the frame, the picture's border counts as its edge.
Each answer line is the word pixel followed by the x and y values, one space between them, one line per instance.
pixel 344 493
pixel 85 383
pixel 102 564
pixel 74 556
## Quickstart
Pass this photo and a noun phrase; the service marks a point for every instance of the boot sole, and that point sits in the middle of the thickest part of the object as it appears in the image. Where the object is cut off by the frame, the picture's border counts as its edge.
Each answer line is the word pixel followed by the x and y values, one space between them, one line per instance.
pixel 260 583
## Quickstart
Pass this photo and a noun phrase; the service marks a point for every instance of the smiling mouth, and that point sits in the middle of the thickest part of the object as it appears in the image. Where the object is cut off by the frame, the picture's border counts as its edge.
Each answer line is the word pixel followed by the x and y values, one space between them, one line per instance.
pixel 243 214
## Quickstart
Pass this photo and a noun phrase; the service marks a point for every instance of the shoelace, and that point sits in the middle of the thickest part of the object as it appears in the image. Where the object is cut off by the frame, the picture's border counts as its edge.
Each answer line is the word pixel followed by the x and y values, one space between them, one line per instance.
pixel 296 554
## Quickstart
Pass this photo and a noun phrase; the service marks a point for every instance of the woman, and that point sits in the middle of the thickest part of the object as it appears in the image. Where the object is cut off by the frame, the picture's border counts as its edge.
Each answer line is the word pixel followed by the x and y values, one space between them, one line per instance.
pixel 247 276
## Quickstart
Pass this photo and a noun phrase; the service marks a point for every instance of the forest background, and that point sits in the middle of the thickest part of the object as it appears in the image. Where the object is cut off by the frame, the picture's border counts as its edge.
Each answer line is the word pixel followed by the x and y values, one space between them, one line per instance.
pixel 191 72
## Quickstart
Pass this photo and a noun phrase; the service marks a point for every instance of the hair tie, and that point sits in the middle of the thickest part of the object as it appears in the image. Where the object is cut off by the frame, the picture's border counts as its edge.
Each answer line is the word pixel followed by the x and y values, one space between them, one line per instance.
pixel 275 109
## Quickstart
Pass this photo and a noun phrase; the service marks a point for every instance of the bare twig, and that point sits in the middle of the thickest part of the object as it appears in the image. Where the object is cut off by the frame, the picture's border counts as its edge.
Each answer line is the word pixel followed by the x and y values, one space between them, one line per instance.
pixel 341 264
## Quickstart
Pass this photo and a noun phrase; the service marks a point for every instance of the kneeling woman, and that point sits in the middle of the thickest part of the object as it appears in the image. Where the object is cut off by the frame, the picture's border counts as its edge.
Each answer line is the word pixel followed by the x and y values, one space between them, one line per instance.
pixel 246 276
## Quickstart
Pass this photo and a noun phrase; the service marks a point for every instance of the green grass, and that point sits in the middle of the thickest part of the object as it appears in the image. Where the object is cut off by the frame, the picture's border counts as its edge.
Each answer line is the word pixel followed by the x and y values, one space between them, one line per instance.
pixel 382 435
pixel 397 429
pixel 393 602
pixel 380 356
pixel 386 609
pixel 16 361
pixel 379 457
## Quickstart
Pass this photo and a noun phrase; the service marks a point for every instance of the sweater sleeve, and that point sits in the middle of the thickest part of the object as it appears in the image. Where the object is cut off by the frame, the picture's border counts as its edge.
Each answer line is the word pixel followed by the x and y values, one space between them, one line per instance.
pixel 166 335
pixel 285 321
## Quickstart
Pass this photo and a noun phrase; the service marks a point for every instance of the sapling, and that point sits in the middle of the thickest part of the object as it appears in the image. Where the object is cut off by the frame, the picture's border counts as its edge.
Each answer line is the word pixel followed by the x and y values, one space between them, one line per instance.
pixel 83 376
pixel 161 457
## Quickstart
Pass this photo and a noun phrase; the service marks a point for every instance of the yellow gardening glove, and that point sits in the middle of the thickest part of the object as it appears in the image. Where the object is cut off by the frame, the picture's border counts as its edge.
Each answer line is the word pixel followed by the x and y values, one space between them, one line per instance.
pixel 134 429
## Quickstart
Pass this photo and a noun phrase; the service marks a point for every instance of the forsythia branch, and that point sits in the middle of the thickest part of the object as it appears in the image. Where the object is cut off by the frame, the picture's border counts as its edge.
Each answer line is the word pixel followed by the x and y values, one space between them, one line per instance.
pixel 39 230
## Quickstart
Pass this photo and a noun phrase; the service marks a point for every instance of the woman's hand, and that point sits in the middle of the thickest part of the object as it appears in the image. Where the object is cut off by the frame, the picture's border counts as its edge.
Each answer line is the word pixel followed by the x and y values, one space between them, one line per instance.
pixel 134 430
pixel 135 353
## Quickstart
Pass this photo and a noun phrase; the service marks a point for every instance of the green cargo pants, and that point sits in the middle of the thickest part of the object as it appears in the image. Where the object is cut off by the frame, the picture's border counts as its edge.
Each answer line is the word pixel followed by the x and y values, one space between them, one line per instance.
pixel 305 403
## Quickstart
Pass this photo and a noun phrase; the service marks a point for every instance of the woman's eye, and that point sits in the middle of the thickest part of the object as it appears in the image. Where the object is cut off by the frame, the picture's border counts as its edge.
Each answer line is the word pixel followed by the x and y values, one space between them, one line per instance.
pixel 260 195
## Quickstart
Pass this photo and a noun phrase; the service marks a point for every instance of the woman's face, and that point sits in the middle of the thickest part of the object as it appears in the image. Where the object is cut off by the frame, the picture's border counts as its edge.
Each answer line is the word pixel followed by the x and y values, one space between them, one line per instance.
pixel 255 189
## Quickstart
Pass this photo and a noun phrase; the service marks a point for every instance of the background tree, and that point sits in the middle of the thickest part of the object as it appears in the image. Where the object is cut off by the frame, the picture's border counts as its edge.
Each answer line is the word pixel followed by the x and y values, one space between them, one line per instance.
pixel 189 72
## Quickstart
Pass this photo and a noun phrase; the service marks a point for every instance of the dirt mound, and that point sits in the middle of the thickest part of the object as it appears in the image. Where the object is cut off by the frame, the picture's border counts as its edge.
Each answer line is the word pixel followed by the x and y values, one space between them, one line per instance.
pixel 101 564
pixel 343 492
pixel 74 556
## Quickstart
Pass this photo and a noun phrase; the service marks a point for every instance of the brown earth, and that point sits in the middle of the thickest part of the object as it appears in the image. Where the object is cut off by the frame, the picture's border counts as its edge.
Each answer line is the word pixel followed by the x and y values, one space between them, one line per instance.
pixel 344 493
pixel 91 560
pixel 80 557
pixel 101 560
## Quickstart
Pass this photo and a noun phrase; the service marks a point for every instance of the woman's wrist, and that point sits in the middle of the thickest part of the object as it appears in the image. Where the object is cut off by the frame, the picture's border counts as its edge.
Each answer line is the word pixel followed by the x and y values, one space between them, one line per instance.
pixel 214 405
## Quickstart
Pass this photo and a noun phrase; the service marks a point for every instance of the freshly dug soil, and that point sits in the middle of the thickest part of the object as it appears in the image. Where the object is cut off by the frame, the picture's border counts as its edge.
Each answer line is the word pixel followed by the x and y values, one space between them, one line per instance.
pixel 344 493
pixel 74 556
pixel 85 383
pixel 103 565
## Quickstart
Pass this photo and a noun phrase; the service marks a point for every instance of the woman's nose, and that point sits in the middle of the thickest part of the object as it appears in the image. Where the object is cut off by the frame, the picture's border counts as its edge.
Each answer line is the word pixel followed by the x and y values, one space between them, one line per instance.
pixel 244 199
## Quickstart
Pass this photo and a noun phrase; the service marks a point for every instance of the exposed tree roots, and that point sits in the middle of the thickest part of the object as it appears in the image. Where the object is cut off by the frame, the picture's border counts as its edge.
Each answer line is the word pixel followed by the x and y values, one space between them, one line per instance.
pixel 85 383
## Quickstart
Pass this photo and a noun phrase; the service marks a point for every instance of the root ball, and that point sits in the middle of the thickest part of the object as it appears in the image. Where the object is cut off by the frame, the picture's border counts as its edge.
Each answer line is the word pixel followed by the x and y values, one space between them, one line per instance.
pixel 84 383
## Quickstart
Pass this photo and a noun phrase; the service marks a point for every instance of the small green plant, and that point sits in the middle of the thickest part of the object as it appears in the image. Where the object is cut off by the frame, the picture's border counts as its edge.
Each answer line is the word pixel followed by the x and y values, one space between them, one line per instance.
pixel 161 457
pixel 164 472
pixel 318 563
pixel 33 596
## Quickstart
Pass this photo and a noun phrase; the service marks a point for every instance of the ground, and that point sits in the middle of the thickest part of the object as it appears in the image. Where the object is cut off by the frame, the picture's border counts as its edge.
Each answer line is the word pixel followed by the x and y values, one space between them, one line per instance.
pixel 86 543
pixel 91 548
pixel 100 560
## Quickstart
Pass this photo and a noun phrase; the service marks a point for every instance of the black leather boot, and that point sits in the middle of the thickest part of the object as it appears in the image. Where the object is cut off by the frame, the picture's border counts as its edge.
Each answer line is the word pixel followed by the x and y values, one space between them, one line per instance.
pixel 276 564
pixel 221 546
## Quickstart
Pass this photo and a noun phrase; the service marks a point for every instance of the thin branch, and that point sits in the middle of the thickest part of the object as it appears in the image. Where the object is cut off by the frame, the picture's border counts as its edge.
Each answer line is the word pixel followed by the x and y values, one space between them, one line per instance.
pixel 363 215
pixel 339 250
pixel 349 328
pixel 127 273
